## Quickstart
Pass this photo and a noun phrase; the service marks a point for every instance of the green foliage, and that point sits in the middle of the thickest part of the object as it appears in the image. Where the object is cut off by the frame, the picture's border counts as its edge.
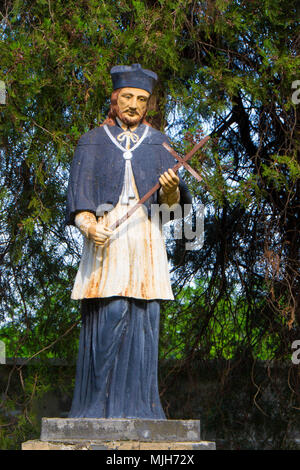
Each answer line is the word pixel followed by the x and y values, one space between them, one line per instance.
pixel 237 297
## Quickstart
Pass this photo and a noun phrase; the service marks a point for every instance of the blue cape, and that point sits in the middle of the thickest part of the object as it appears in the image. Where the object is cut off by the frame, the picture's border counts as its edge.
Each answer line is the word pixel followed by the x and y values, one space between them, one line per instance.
pixel 97 170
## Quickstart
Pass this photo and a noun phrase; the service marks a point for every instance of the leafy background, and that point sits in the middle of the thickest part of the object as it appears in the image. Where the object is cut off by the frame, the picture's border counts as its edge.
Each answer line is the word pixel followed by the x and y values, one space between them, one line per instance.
pixel 220 62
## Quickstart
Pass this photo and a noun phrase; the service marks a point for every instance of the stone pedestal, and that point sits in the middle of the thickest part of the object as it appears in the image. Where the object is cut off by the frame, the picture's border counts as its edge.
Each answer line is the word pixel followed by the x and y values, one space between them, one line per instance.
pixel 118 434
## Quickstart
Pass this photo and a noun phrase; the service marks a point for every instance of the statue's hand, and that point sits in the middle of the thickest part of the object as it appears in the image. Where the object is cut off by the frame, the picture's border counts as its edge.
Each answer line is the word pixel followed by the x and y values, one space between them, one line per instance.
pixel 99 233
pixel 169 182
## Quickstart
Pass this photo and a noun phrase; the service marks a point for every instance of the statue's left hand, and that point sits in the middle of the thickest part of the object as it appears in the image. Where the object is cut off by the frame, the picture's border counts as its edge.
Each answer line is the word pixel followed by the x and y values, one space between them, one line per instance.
pixel 169 181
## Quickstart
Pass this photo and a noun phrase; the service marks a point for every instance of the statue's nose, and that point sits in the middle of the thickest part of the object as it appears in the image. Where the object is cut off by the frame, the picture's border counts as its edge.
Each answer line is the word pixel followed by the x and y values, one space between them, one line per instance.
pixel 133 103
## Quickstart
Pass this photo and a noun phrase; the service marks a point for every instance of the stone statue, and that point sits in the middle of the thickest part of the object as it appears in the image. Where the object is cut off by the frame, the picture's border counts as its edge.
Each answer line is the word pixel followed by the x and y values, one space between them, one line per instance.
pixel 123 274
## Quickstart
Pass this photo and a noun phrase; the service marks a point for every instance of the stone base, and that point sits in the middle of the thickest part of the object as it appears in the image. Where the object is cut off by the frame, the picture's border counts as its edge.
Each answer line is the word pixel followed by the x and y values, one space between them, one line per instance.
pixel 120 429
pixel 119 434
pixel 117 445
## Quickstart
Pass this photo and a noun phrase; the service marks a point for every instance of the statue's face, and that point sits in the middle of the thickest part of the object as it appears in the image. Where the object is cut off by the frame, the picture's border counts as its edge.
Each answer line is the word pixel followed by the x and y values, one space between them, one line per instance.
pixel 132 104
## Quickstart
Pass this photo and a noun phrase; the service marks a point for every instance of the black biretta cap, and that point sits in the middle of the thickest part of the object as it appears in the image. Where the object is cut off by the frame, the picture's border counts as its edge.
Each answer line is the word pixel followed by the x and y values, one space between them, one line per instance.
pixel 133 76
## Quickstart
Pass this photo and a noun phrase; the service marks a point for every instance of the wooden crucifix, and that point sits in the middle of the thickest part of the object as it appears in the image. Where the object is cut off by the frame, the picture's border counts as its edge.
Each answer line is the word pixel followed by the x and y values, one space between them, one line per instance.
pixel 181 162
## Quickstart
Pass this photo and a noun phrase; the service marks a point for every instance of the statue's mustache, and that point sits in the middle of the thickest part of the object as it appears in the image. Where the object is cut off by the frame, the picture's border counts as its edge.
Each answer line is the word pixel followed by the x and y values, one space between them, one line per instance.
pixel 131 110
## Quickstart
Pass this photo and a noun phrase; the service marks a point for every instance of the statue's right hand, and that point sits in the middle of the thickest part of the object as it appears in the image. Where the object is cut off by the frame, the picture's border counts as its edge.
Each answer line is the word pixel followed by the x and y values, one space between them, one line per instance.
pixel 99 233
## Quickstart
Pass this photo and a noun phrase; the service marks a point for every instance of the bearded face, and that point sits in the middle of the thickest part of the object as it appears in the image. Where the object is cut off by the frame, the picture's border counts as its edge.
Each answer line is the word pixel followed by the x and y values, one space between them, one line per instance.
pixel 132 105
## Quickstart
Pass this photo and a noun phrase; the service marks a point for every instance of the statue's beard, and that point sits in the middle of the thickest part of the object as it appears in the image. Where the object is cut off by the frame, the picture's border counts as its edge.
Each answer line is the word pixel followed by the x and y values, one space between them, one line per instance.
pixel 130 120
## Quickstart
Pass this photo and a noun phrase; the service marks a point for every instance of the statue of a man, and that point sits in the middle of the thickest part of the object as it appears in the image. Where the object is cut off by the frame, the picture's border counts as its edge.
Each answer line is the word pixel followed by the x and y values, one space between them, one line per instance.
pixel 123 274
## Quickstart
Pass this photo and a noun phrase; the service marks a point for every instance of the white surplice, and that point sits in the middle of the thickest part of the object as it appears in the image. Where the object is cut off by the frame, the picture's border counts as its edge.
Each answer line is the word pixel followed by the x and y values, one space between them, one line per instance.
pixel 132 263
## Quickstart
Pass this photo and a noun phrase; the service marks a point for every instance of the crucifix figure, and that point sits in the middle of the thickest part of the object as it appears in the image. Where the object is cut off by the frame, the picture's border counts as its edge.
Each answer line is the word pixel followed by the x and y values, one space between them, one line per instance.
pixel 123 274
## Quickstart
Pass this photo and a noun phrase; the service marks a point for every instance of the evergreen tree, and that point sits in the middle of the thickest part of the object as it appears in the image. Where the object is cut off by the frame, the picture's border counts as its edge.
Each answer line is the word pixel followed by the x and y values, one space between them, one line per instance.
pixel 220 62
